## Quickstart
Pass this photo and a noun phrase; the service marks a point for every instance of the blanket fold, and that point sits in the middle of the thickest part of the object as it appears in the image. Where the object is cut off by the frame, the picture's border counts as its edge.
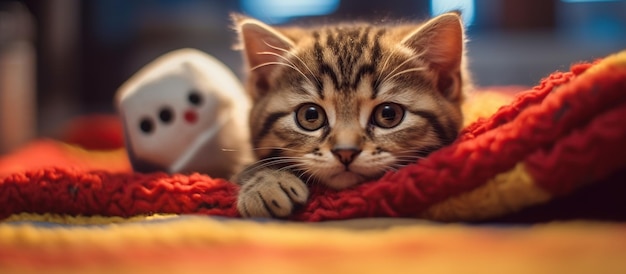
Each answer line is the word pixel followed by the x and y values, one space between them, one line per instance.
pixel 548 142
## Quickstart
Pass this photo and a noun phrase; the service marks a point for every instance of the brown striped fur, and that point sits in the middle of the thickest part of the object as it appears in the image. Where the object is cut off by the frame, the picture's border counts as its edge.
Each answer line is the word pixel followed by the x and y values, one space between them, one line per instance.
pixel 349 73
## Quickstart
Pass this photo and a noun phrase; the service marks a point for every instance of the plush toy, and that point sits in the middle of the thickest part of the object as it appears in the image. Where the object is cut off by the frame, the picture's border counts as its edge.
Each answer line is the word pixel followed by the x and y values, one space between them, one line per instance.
pixel 185 112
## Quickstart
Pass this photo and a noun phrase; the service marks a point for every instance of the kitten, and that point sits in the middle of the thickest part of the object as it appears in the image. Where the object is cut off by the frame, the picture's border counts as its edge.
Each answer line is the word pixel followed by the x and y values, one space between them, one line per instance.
pixel 342 104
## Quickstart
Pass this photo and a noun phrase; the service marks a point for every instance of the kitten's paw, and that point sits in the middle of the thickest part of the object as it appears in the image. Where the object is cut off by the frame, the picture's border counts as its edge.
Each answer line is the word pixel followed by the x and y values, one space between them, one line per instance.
pixel 271 193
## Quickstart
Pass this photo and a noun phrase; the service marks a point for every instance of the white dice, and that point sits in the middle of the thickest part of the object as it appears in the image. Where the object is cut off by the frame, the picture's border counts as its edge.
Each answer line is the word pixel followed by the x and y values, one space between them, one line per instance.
pixel 185 112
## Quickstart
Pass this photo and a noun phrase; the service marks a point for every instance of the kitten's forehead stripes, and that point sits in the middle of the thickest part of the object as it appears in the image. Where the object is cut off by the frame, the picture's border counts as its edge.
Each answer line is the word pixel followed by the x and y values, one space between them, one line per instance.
pixel 347 46
pixel 376 56
pixel 323 67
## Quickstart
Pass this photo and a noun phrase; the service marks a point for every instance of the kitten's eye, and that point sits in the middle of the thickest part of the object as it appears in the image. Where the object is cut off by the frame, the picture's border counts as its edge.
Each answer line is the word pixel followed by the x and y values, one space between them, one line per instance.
pixel 146 125
pixel 310 117
pixel 388 115
pixel 194 98
pixel 166 115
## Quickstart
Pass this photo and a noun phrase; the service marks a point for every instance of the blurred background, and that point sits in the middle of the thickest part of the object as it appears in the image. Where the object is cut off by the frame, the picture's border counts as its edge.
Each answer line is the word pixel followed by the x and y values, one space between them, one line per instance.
pixel 60 59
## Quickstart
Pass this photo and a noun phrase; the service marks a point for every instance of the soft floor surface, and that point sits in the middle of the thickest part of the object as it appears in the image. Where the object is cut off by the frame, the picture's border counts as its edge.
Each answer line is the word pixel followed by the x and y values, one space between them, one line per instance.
pixel 175 244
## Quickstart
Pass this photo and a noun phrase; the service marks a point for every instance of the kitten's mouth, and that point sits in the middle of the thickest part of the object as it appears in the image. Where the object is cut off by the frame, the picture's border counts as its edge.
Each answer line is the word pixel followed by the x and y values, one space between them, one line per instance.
pixel 344 179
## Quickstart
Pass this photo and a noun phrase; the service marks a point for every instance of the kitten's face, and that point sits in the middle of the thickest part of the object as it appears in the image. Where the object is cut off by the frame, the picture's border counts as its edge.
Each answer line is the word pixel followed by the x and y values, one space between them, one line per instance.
pixel 344 104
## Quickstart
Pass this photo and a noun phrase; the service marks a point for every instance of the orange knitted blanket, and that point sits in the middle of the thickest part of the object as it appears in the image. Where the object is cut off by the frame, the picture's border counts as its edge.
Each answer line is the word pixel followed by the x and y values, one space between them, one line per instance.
pixel 561 137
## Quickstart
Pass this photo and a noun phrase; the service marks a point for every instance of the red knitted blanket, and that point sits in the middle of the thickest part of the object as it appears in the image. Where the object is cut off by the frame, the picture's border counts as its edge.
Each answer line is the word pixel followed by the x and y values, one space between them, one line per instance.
pixel 552 141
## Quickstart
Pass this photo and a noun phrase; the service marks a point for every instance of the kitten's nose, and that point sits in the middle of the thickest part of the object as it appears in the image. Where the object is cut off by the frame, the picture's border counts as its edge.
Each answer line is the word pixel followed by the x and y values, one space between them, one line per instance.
pixel 346 155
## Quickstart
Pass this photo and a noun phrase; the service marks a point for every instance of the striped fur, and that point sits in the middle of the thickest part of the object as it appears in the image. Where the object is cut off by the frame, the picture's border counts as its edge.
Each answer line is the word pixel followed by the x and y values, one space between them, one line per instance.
pixel 410 74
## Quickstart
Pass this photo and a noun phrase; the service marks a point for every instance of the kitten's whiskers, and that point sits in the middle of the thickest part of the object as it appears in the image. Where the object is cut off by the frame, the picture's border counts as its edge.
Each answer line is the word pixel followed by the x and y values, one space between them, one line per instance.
pixel 289 65
pixel 267 162
pixel 278 148
pixel 303 169
pixel 384 67
pixel 297 57
pixel 406 71
pixel 311 176
pixel 390 74
pixel 410 157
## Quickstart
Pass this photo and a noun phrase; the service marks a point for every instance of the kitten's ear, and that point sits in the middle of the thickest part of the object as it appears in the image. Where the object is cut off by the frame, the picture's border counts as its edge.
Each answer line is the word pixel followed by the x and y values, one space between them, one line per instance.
pixel 261 45
pixel 440 40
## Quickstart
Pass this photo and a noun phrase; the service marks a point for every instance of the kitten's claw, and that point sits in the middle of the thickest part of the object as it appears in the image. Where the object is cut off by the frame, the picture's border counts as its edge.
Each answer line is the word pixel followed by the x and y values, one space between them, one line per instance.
pixel 271 193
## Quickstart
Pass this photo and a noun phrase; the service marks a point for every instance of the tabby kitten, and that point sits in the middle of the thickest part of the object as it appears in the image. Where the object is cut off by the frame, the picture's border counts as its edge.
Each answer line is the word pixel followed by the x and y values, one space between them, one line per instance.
pixel 342 104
